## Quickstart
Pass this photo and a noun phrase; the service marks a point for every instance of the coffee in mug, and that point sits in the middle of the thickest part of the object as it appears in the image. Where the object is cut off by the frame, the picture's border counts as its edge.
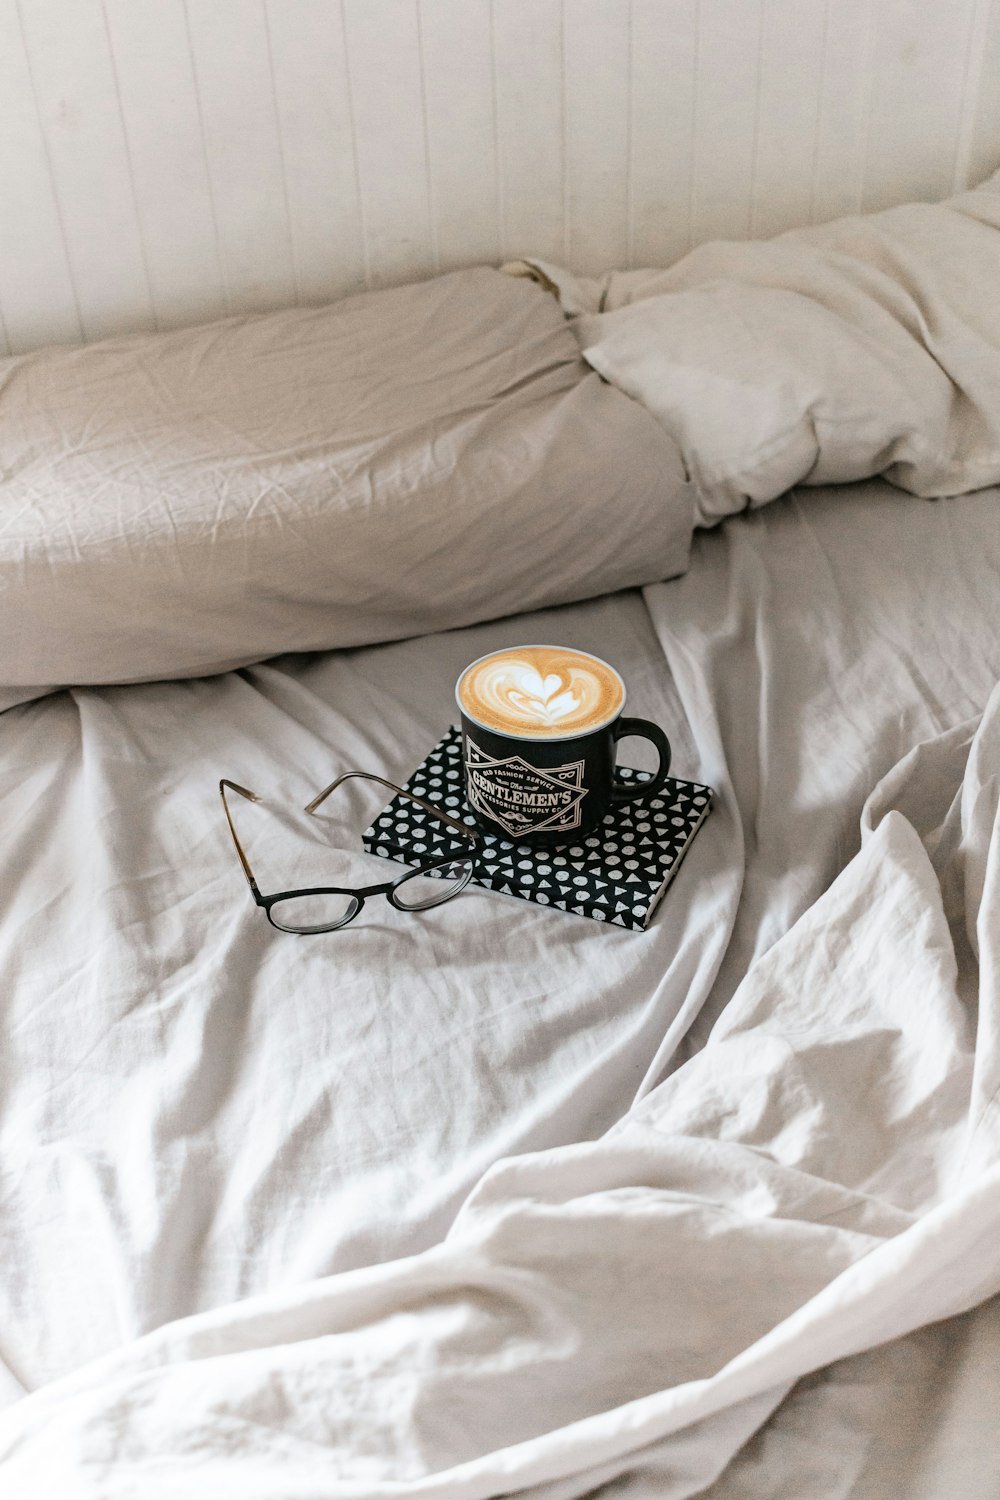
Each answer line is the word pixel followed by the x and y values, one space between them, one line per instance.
pixel 540 726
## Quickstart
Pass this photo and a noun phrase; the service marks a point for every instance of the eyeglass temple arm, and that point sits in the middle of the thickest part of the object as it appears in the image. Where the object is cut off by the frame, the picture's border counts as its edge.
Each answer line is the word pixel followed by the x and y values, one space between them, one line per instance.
pixel 392 787
pixel 251 797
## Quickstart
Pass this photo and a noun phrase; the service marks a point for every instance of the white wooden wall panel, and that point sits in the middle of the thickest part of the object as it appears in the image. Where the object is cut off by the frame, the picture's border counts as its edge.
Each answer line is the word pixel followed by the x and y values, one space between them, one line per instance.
pixel 529 85
pixel 729 41
pixel 460 107
pixel 166 152
pixel 79 113
pixel 848 85
pixel 309 57
pixel 596 59
pixel 234 79
pixel 164 161
pixel 982 148
pixel 920 62
pixel 789 96
pixel 36 284
pixel 980 77
pixel 663 75
pixel 387 97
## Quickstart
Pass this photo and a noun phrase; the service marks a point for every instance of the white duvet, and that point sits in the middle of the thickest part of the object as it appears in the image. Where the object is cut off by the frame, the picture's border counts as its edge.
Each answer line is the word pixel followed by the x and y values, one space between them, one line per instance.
pixel 869 345
pixel 281 1221
pixel 822 1178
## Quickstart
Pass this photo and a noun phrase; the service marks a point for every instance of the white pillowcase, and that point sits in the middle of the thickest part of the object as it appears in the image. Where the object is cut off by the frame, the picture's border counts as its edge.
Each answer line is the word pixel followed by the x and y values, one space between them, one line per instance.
pixel 870 345
pixel 400 462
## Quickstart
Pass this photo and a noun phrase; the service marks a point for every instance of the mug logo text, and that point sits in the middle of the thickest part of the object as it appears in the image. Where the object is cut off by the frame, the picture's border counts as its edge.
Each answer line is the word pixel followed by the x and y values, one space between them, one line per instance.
pixel 520 797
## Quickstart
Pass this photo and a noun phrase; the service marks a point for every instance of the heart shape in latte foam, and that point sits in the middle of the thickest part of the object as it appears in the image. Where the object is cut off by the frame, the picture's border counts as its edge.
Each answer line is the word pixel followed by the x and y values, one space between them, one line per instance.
pixel 541 699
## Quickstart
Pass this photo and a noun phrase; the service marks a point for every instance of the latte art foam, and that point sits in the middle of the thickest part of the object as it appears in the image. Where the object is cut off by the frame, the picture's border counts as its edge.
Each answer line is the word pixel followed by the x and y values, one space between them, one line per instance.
pixel 541 692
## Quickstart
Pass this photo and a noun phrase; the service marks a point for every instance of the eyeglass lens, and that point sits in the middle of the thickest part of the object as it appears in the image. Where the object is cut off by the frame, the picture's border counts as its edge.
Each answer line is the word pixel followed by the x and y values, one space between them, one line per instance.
pixel 315 911
pixel 426 888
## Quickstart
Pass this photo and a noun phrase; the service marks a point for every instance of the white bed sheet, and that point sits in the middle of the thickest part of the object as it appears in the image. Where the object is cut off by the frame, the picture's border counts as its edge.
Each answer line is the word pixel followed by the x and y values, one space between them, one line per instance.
pixel 812 645
pixel 196 1110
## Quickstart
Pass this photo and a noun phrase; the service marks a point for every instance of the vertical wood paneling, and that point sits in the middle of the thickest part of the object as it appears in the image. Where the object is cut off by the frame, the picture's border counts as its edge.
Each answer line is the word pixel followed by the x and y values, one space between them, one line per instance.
pixel 383 48
pixel 461 143
pixel 597 55
pixel 232 70
pixel 165 160
pixel 977 153
pixel 984 155
pixel 844 106
pixel 729 40
pixel 919 67
pixel 531 126
pixel 788 102
pixel 311 80
pixel 661 133
pixel 155 80
pixel 36 284
pixel 79 112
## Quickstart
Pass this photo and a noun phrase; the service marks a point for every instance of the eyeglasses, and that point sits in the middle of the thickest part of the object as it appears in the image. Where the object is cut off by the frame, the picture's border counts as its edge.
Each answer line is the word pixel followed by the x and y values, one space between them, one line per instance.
pixel 327 908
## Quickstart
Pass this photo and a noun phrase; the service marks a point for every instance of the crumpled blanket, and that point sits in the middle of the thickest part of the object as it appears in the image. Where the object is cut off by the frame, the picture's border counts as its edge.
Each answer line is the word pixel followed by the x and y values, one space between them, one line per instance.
pixel 821 1179
pixel 832 353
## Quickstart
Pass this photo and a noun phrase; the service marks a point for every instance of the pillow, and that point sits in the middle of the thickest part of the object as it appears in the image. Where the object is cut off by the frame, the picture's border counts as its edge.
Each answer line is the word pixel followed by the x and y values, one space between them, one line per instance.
pixel 870 345
pixel 403 461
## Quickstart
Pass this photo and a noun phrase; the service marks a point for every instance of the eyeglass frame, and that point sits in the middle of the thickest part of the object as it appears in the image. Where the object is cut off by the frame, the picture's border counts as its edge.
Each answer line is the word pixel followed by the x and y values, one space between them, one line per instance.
pixel 358 893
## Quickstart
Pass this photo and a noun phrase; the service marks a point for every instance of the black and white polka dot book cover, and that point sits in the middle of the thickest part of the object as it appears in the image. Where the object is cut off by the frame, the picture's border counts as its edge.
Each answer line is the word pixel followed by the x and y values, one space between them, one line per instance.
pixel 616 874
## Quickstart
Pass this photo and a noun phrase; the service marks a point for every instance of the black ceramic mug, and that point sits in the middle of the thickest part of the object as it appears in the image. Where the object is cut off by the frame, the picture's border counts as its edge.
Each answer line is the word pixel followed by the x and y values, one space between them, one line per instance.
pixel 540 729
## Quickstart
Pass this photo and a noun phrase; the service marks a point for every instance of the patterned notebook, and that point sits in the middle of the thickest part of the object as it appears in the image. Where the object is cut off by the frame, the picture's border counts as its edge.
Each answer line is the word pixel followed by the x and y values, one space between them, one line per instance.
pixel 616 874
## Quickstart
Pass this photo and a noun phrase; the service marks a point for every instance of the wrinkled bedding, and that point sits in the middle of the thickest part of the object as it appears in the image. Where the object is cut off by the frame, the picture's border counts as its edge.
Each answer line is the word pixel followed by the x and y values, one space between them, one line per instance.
pixel 198 1108
pixel 829 354
pixel 649 1299
pixel 499 1200
pixel 394 463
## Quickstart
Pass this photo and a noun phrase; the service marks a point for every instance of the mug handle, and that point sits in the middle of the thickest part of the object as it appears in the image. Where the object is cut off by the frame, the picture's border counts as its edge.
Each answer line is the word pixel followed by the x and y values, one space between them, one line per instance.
pixel 622 792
